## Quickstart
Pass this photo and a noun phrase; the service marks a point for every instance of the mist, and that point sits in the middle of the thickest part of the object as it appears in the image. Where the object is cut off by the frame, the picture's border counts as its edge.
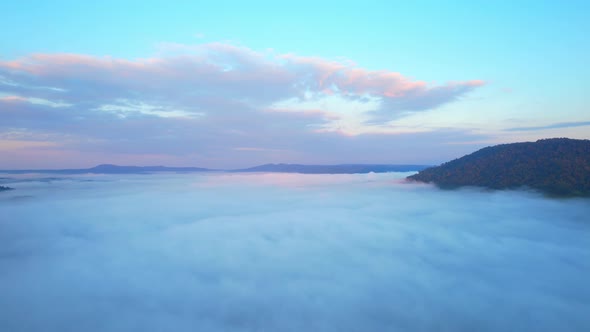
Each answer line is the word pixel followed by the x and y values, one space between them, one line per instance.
pixel 288 252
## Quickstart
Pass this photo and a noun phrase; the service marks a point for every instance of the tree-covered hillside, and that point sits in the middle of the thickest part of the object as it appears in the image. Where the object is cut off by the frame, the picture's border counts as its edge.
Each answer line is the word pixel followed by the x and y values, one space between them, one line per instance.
pixel 558 166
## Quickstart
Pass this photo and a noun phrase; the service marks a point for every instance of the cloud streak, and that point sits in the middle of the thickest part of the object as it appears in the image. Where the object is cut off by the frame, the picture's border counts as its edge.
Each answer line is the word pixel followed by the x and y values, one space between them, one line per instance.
pixel 552 126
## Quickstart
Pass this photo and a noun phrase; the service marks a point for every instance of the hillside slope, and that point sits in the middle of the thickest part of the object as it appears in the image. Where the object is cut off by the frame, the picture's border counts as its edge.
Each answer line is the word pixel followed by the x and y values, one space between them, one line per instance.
pixel 557 166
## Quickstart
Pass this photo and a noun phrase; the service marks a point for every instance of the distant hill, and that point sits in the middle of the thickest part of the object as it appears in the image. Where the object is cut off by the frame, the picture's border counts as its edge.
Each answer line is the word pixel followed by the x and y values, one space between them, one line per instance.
pixel 558 166
pixel 3 188
pixel 332 169
pixel 112 169
pixel 279 168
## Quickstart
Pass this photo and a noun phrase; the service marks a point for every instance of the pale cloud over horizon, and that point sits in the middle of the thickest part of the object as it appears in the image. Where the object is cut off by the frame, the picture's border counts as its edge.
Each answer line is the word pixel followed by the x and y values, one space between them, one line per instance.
pixel 220 105
pixel 200 104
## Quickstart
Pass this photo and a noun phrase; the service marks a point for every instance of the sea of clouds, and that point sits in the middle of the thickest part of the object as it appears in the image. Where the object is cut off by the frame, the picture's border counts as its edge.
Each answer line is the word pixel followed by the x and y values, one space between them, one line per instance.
pixel 288 252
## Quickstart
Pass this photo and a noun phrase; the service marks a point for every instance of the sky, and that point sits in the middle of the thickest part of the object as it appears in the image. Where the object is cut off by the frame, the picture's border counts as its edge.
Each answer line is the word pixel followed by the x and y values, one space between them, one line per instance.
pixel 229 84
pixel 288 252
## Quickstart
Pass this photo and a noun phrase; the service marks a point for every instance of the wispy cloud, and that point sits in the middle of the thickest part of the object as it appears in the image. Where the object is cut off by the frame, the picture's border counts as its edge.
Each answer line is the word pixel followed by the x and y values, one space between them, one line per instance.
pixel 207 98
pixel 551 126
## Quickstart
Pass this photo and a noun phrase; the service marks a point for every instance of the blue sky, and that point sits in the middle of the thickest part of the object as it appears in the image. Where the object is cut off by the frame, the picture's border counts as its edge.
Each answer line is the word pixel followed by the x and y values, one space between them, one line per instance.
pixel 231 83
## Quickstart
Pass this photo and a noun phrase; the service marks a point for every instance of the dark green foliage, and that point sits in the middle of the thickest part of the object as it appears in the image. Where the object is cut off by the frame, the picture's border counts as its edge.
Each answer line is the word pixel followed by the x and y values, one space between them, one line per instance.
pixel 558 166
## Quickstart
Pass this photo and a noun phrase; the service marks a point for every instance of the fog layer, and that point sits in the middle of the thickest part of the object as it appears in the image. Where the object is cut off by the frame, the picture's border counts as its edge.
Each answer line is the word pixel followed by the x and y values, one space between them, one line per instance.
pixel 288 252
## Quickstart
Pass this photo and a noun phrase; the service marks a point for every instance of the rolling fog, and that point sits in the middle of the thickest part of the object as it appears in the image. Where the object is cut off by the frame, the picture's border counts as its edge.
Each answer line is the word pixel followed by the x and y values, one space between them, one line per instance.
pixel 288 252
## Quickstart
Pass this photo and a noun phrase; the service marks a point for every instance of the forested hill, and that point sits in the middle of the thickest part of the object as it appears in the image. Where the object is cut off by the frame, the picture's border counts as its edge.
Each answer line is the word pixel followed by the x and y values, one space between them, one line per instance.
pixel 557 166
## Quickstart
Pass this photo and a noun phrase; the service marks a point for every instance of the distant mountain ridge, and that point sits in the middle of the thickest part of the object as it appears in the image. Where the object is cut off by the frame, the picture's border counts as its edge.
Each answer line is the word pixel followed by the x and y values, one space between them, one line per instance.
pixel 278 168
pixel 115 169
pixel 112 169
pixel 332 169
pixel 557 166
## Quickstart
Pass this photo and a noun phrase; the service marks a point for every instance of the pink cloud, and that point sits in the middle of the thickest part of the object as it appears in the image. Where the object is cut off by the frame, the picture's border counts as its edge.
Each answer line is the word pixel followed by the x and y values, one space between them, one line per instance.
pixel 219 69
pixel 232 89
pixel 307 113
pixel 19 145
pixel 13 99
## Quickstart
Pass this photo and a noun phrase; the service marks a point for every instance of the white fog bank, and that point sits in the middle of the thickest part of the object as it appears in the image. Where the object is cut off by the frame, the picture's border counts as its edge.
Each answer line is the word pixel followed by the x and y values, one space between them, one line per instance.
pixel 288 252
